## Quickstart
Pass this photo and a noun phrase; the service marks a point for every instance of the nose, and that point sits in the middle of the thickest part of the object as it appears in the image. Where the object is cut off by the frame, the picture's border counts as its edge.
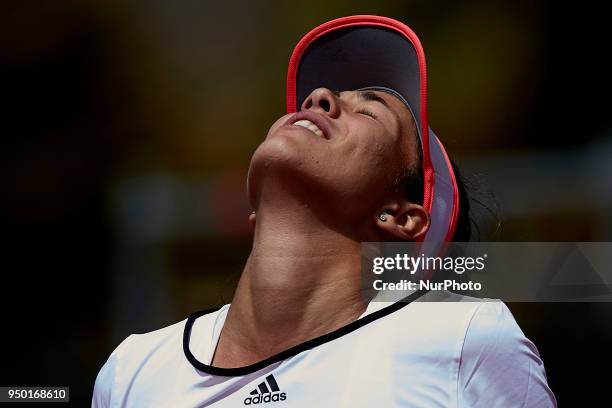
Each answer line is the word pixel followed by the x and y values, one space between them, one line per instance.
pixel 322 100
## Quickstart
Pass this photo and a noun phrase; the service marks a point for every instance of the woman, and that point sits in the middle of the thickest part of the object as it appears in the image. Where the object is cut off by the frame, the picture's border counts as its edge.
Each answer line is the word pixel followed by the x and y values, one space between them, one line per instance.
pixel 357 163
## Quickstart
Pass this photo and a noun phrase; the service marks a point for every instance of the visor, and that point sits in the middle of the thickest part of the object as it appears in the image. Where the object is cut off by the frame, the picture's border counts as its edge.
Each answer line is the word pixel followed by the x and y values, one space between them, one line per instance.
pixel 376 52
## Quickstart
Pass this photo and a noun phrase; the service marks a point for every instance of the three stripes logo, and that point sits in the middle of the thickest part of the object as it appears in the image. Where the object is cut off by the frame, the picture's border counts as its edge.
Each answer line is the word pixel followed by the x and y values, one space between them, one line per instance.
pixel 267 391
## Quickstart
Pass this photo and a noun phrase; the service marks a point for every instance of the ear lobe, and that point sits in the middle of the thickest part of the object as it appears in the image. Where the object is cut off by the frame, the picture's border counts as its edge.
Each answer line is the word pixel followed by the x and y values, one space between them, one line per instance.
pixel 406 221
pixel 252 219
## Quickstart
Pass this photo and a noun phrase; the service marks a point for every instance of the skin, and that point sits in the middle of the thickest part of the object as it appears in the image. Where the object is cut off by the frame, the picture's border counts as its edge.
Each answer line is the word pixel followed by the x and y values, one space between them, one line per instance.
pixel 316 199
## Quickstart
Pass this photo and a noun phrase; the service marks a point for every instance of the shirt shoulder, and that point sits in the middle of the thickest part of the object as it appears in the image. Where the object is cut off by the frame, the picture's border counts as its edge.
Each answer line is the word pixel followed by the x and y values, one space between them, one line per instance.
pixel 499 366
pixel 482 357
pixel 441 317
pixel 139 357
pixel 105 385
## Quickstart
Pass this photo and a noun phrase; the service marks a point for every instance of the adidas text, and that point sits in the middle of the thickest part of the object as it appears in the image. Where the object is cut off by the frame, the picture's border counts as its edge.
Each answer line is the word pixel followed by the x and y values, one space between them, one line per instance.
pixel 263 398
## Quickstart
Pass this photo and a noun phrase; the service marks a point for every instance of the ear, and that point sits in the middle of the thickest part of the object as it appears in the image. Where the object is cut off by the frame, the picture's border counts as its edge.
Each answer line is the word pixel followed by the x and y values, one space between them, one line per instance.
pixel 252 219
pixel 403 220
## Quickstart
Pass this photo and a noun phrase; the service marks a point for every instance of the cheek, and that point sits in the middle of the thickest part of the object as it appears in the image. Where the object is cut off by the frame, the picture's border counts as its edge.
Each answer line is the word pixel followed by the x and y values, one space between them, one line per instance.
pixel 381 155
pixel 378 161
pixel 372 146
pixel 367 169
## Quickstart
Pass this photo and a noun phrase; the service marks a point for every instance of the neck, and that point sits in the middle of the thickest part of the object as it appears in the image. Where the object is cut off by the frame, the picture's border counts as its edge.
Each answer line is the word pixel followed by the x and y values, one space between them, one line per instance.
pixel 302 280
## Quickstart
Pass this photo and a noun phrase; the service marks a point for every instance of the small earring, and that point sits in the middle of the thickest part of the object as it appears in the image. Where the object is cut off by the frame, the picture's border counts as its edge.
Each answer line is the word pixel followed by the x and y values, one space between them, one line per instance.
pixel 382 217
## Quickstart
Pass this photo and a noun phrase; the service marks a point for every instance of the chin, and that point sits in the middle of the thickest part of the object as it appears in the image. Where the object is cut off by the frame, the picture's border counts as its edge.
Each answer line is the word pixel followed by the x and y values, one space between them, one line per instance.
pixel 276 159
pixel 282 166
pixel 287 151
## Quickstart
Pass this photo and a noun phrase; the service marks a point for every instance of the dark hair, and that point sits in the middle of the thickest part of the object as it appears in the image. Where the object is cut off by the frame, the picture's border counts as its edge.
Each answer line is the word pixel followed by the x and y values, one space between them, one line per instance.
pixel 470 226
pixel 463 229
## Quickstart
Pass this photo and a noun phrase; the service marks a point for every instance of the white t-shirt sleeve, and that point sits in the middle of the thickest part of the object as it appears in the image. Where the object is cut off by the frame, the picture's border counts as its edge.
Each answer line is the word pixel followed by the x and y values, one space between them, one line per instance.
pixel 107 378
pixel 499 366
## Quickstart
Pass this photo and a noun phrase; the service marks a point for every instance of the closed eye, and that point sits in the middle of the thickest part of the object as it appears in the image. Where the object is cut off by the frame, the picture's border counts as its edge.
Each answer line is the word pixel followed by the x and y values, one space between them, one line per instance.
pixel 367 113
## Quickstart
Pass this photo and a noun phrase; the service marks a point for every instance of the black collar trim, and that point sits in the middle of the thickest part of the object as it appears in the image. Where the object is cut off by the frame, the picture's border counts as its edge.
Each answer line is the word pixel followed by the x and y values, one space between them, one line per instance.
pixel 290 352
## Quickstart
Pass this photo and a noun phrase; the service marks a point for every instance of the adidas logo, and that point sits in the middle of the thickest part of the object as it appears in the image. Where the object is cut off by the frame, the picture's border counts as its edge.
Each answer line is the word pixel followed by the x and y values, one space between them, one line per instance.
pixel 266 391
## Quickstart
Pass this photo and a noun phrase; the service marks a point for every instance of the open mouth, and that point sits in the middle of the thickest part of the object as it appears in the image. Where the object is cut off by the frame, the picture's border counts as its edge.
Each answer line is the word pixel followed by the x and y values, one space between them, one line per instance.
pixel 306 124
pixel 311 121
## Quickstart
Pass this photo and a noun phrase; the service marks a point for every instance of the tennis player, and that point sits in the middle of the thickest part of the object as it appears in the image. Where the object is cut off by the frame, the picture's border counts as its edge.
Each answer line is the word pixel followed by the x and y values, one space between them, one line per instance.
pixel 353 160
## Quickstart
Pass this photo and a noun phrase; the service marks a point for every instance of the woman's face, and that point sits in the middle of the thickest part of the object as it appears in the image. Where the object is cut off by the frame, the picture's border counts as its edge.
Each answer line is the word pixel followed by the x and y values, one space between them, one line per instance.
pixel 347 150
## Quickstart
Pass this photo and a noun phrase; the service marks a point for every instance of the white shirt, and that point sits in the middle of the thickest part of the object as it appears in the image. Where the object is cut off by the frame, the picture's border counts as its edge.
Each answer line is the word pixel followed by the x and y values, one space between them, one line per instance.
pixel 460 353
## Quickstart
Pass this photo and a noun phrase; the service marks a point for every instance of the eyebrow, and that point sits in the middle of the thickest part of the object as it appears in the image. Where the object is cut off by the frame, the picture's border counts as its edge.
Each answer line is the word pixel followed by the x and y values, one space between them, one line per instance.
pixel 367 96
pixel 371 96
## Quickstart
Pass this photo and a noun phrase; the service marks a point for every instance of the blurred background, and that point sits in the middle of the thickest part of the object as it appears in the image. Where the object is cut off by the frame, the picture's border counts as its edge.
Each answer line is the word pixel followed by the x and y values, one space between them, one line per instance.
pixel 128 128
